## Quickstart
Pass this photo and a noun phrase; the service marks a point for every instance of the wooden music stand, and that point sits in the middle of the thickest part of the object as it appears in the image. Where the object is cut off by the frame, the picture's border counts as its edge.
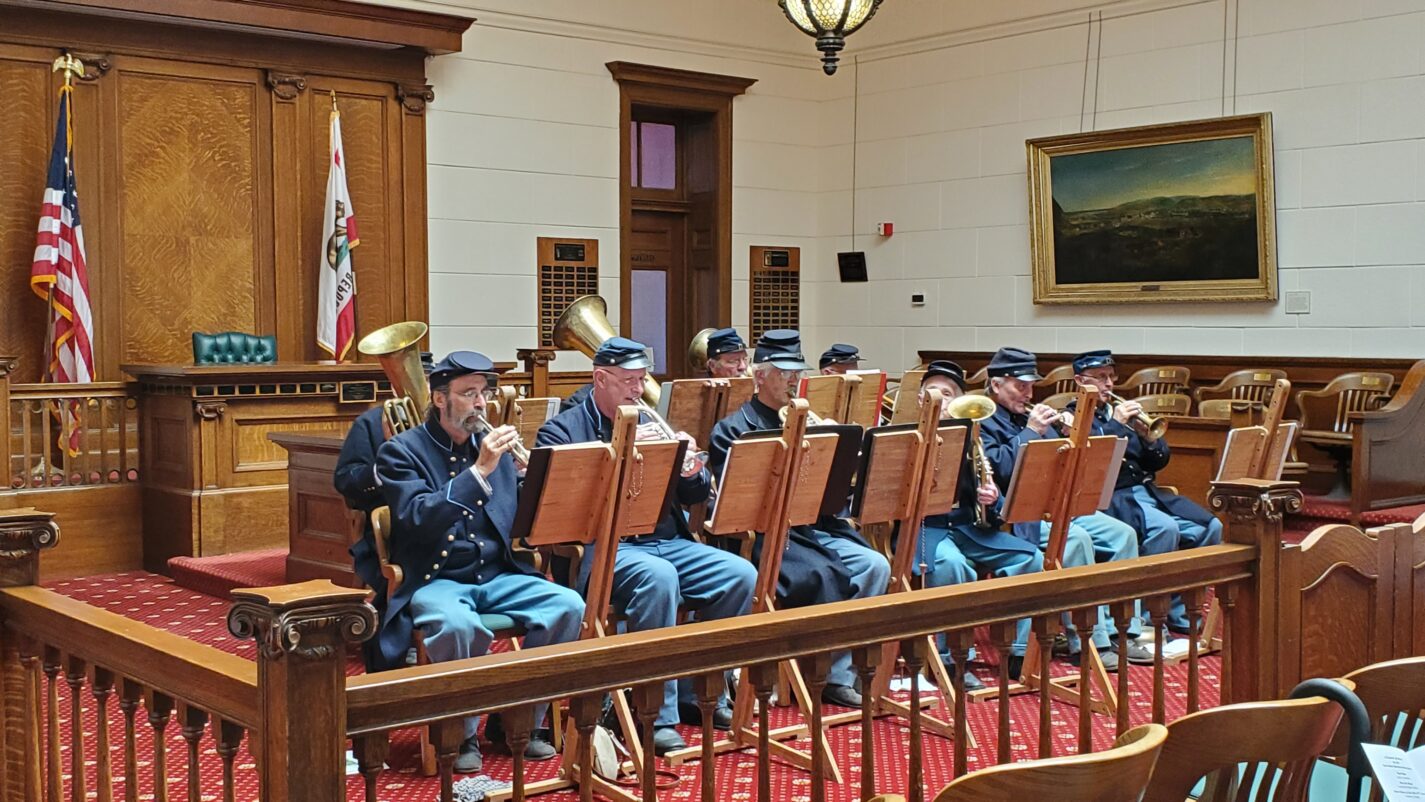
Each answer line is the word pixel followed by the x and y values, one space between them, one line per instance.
pixel 800 465
pixel 908 475
pixel 1251 452
pixel 1062 479
pixel 826 395
pixel 865 389
pixel 693 406
pixel 907 407
pixel 595 494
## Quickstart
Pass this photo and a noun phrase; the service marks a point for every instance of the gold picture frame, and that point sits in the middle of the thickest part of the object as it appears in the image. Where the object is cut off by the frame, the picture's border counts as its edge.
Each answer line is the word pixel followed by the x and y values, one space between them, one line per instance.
pixel 1154 214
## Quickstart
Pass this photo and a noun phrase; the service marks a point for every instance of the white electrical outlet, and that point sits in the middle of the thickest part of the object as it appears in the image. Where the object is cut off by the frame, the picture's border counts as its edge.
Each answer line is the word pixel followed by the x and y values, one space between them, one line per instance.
pixel 1298 302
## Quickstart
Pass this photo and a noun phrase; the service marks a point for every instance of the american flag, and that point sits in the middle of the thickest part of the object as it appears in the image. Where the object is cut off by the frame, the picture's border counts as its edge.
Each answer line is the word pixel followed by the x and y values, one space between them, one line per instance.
pixel 59 274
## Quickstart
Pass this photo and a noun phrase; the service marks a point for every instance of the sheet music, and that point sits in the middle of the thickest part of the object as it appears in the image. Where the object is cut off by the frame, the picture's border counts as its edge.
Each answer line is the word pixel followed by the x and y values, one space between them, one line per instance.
pixel 1401 775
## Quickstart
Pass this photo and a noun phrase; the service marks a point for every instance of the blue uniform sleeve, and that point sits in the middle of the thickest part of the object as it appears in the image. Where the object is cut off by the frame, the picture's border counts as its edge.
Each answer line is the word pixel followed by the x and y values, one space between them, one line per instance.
pixel 1002 449
pixel 355 475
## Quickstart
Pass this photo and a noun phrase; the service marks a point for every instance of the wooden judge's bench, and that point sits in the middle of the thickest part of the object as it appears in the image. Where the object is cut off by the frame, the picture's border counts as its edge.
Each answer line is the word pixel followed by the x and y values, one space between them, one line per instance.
pixel 214 480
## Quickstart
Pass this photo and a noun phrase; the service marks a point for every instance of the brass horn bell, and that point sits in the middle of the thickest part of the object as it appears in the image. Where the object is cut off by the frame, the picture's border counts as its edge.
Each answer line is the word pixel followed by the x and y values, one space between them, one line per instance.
pixel 398 348
pixel 698 351
pixel 584 326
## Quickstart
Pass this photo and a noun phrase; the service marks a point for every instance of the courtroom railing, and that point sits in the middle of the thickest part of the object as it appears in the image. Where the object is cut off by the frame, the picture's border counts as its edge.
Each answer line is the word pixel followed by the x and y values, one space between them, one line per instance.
pixel 299 711
pixel 1237 573
pixel 70 435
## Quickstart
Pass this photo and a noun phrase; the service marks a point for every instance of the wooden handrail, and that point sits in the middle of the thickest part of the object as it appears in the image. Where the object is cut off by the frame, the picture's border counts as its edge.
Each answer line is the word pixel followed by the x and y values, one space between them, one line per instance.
pixel 221 683
pixel 423 694
pixel 31 390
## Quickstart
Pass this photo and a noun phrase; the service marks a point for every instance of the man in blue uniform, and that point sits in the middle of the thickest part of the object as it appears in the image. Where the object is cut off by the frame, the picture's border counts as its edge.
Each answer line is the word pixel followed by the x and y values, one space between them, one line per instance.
pixel 1091 538
pixel 1164 521
pixel 655 573
pixel 453 496
pixel 826 562
pixel 355 479
pixel 727 355
pixel 839 358
pixel 956 546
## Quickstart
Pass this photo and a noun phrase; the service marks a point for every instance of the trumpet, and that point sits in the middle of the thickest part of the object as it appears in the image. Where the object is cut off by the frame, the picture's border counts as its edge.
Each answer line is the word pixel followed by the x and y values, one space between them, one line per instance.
pixel 518 450
pixel 692 460
pixel 1154 428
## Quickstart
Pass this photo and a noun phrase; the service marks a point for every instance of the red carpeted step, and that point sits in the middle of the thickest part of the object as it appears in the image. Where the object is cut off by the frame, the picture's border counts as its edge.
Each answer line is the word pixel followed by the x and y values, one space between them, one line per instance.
pixel 218 575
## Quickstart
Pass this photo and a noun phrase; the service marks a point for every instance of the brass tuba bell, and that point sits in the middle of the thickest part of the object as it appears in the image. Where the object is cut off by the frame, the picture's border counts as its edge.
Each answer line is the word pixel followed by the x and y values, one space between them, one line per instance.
pixel 398 348
pixel 698 351
pixel 584 326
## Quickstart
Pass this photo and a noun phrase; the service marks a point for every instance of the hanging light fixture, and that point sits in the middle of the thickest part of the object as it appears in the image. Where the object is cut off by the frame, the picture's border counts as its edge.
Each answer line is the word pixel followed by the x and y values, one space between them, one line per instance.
pixel 830 21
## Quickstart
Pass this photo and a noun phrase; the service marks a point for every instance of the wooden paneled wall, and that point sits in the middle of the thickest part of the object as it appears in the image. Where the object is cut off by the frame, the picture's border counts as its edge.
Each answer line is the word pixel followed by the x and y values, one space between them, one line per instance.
pixel 201 162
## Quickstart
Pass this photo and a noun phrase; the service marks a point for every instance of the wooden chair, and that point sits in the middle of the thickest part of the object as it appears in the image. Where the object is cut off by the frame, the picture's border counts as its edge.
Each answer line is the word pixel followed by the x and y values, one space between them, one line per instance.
pixel 1157 381
pixel 1277 741
pixel 502 626
pixel 1394 695
pixel 979 378
pixel 1327 421
pixel 1059 400
pixel 1244 385
pixel 1058 380
pixel 1115 775
pixel 1165 404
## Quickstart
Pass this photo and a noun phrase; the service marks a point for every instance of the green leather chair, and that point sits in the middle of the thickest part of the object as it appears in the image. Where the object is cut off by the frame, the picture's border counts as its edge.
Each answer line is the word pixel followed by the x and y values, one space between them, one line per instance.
pixel 233 347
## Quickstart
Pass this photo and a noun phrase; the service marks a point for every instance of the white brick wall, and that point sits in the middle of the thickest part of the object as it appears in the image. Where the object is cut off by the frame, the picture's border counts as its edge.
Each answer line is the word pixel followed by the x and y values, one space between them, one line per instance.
pixel 1343 81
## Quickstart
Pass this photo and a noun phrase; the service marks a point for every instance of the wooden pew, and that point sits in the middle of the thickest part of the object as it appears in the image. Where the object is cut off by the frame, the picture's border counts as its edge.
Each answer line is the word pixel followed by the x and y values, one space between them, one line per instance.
pixel 1388 450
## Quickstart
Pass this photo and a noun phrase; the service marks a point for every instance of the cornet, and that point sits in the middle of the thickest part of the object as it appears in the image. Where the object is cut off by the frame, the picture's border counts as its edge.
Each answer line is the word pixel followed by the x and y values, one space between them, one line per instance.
pixel 1155 428
pixel 693 460
pixel 518 450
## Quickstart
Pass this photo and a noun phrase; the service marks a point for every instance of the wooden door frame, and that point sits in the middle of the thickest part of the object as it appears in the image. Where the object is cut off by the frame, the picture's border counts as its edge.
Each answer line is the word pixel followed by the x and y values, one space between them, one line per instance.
pixel 678 90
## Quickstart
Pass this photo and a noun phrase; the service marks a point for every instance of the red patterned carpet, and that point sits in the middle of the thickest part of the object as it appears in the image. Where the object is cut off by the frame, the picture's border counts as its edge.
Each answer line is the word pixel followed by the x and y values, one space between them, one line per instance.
pixel 158 601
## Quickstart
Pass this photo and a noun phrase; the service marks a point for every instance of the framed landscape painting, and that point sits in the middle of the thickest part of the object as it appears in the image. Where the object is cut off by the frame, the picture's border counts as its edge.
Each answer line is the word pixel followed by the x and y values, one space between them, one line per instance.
pixel 1177 212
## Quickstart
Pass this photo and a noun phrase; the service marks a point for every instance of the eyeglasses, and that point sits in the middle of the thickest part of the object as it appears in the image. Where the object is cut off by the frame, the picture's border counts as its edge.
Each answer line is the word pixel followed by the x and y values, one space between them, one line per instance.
pixel 489 394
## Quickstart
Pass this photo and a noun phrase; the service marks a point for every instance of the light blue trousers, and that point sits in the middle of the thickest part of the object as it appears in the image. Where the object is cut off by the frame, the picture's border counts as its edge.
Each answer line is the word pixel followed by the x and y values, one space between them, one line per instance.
pixel 1095 538
pixel 1164 532
pixel 448 612
pixel 956 557
pixel 652 579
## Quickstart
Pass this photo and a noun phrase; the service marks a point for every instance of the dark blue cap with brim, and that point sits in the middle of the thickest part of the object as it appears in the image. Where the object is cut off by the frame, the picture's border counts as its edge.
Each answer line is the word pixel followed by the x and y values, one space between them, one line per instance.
pixel 725 341
pixel 782 348
pixel 462 363
pixel 838 353
pixel 621 352
pixel 1014 363
pixel 1089 360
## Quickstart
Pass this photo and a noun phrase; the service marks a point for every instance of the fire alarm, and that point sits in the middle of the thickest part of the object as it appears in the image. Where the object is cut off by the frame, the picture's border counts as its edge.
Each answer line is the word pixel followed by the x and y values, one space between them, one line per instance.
pixel 885 229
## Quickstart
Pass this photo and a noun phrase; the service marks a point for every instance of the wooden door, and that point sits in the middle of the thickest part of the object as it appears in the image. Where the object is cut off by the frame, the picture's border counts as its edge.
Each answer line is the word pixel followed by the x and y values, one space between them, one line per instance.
pixel 658 289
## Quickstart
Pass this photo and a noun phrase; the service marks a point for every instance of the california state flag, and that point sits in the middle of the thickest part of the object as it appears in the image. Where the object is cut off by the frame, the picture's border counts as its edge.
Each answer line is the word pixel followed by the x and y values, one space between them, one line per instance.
pixel 336 301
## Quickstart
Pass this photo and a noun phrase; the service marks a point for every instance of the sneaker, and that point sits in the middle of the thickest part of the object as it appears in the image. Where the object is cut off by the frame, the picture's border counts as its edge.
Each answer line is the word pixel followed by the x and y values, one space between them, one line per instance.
pixel 667 739
pixel 842 695
pixel 469 760
pixel 1138 654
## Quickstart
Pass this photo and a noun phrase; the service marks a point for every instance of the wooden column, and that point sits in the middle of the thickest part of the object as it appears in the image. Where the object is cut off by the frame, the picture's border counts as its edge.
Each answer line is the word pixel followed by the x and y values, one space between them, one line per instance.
pixel 23 533
pixel 1253 511
pixel 302 631
pixel 536 364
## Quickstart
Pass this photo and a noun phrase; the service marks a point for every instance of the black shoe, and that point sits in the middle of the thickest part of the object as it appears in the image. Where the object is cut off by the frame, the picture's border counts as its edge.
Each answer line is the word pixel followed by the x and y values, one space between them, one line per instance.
pixel 842 695
pixel 692 715
pixel 1016 667
pixel 1061 646
pixel 667 739
pixel 469 760
pixel 495 729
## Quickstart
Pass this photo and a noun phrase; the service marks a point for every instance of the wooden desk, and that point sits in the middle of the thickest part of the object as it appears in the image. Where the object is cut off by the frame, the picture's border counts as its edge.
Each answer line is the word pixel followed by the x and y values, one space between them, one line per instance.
pixel 320 526
pixel 213 483
pixel 1196 445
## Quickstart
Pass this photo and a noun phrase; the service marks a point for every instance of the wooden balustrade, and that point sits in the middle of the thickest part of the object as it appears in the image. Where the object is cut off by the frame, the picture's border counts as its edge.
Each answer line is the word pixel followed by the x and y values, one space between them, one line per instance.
pixel 70 435
pixel 297 712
